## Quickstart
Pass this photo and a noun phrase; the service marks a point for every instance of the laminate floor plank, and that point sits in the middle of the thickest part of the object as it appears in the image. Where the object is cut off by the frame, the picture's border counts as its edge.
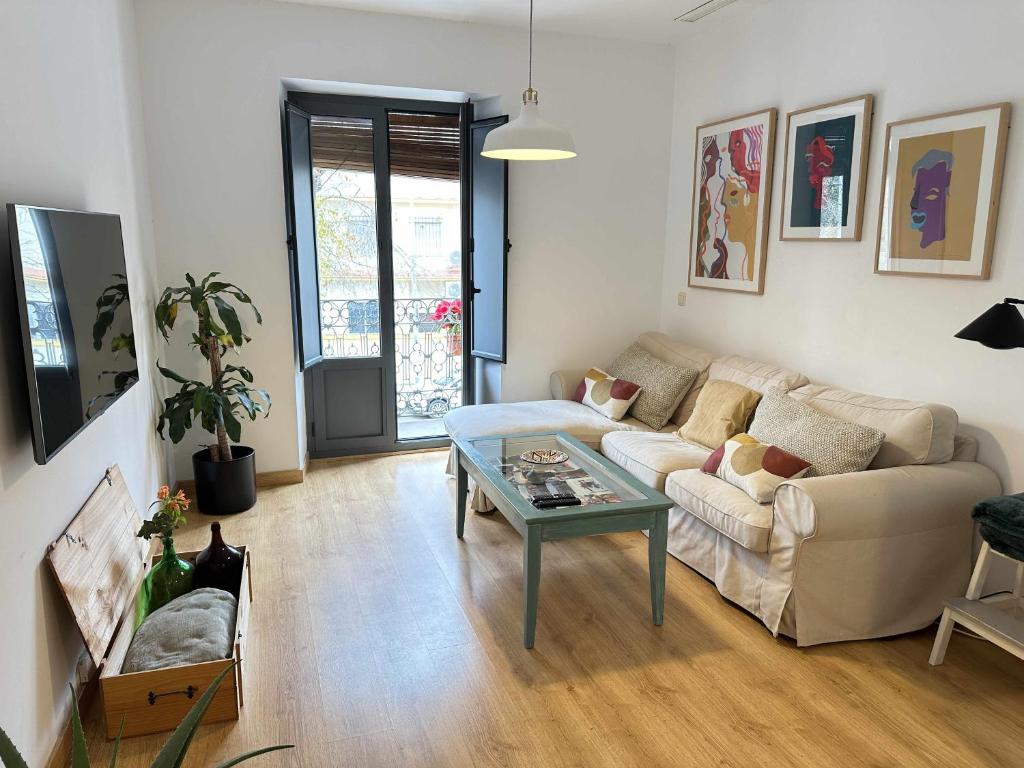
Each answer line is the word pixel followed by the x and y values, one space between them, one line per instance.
pixel 379 640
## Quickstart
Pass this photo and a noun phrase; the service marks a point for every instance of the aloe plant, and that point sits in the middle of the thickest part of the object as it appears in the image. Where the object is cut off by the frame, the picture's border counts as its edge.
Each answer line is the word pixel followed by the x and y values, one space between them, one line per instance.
pixel 218 404
pixel 171 756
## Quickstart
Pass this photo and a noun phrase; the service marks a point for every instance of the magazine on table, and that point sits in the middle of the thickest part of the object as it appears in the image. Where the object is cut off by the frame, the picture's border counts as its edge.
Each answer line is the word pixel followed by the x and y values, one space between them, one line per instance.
pixel 565 479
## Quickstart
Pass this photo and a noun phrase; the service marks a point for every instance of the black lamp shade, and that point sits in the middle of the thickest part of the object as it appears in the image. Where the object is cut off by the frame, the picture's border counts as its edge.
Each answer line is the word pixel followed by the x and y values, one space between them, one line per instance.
pixel 1000 327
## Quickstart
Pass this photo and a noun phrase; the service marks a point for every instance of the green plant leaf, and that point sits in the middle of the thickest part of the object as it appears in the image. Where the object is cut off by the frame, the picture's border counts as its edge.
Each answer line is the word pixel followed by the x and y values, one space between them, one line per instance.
pixel 117 745
pixel 168 373
pixel 79 750
pixel 9 754
pixel 174 751
pixel 229 317
pixel 254 753
pixel 231 424
pixel 242 371
pixel 207 279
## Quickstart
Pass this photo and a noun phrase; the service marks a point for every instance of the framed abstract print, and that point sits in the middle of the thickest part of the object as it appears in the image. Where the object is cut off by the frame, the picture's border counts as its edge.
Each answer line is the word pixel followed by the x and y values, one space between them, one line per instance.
pixel 732 184
pixel 826 163
pixel 940 193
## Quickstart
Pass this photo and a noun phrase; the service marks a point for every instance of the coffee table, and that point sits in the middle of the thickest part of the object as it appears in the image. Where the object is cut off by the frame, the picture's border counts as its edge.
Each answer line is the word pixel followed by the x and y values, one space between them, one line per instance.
pixel 625 505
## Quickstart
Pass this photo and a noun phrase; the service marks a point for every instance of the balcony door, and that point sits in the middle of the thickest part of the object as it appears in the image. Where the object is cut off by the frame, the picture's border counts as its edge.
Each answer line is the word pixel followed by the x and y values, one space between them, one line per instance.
pixel 379 238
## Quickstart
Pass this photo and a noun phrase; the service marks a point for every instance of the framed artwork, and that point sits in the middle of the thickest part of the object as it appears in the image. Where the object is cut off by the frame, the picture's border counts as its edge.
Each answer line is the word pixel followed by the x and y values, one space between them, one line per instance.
pixel 732 184
pixel 940 193
pixel 823 176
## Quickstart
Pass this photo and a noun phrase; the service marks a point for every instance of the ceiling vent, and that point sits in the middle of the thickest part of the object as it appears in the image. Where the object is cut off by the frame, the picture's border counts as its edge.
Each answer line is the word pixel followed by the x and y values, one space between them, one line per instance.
pixel 704 9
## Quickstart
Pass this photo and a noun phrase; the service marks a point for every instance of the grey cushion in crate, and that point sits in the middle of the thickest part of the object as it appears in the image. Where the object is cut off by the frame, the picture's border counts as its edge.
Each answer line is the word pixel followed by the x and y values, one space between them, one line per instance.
pixel 196 627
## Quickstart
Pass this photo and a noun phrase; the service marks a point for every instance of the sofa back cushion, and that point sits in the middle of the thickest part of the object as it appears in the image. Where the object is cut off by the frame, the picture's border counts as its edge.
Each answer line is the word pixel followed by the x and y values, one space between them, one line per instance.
pixel 685 356
pixel 760 377
pixel 915 432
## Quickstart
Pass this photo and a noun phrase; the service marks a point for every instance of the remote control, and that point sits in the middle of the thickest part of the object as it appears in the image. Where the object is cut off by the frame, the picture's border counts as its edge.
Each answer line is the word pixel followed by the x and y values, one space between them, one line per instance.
pixel 548 500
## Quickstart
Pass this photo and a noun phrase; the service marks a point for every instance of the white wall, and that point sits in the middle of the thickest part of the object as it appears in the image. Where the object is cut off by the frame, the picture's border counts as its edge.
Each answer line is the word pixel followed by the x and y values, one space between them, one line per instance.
pixel 587 235
pixel 823 311
pixel 70 136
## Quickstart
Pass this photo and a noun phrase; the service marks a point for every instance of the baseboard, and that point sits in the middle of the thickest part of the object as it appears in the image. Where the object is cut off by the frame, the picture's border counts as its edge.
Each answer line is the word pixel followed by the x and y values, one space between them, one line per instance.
pixel 263 480
pixel 280 477
pixel 326 460
pixel 60 756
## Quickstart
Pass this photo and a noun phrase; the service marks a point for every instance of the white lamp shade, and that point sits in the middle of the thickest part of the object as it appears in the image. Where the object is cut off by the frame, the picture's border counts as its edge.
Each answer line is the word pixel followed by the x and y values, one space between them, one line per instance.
pixel 529 137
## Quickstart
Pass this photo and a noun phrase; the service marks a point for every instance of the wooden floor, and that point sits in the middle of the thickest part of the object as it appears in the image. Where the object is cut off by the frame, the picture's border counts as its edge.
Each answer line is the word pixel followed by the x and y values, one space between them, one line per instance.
pixel 379 639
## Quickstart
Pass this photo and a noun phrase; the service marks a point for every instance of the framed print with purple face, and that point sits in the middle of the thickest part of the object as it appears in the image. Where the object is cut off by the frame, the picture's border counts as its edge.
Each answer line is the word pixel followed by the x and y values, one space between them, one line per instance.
pixel 732 185
pixel 823 176
pixel 940 193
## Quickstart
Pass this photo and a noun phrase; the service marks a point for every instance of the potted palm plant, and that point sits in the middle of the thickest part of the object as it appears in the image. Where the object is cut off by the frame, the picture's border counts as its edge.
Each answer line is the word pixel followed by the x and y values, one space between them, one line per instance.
pixel 225 474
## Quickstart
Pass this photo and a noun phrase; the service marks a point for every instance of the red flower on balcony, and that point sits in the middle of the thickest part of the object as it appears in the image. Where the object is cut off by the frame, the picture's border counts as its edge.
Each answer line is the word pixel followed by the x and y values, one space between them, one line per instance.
pixel 449 315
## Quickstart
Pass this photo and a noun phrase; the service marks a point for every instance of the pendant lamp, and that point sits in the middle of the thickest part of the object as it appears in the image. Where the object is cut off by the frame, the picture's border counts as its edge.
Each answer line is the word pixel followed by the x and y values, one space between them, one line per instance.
pixel 529 137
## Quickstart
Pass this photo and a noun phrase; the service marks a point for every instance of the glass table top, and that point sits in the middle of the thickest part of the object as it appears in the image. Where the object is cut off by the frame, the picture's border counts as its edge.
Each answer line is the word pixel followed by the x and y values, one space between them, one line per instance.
pixel 592 479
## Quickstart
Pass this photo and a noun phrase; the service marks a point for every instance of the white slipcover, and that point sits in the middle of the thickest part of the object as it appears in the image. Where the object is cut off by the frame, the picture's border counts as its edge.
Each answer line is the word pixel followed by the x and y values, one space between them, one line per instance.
pixel 842 557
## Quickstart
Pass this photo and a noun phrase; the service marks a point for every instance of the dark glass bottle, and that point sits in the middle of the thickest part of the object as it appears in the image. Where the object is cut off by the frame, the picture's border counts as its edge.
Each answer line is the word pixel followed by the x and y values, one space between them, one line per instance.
pixel 219 565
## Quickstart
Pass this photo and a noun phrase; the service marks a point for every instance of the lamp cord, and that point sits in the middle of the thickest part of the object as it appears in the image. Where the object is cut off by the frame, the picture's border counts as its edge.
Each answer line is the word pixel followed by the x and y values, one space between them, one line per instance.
pixel 530 76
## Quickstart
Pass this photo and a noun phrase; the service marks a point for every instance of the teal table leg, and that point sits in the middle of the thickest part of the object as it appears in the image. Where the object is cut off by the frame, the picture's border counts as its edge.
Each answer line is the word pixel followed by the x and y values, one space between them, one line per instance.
pixel 531 583
pixel 461 492
pixel 656 550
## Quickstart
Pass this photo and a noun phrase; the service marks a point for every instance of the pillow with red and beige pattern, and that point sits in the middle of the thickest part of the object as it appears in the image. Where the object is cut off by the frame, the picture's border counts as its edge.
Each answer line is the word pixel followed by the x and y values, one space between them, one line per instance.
pixel 607 395
pixel 753 467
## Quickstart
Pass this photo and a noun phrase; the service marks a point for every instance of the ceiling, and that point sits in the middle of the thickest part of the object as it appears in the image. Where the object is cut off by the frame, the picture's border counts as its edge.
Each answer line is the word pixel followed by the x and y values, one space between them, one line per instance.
pixel 650 20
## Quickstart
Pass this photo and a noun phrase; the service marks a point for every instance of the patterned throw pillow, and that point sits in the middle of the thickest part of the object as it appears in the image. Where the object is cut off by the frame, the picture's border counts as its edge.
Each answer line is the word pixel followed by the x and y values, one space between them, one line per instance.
pixel 662 385
pixel 608 396
pixel 755 468
pixel 833 446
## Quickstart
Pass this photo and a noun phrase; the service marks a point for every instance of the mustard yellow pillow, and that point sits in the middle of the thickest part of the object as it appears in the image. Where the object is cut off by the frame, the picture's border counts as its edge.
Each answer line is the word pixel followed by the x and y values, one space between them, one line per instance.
pixel 722 410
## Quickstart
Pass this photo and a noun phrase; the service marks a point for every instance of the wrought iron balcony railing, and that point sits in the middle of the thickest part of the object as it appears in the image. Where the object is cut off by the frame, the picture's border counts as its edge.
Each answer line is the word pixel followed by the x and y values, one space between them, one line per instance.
pixel 428 347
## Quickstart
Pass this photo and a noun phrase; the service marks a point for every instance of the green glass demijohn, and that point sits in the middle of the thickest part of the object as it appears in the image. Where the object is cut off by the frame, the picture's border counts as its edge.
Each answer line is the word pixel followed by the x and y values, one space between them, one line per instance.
pixel 170 577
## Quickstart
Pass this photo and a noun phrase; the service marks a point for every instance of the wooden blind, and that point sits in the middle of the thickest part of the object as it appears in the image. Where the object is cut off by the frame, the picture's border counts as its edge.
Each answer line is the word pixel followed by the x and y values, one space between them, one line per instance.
pixel 419 145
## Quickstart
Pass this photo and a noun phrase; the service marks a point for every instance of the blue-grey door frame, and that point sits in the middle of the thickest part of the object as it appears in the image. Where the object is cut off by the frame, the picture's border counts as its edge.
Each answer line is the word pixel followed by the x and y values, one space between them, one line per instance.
pixel 355 376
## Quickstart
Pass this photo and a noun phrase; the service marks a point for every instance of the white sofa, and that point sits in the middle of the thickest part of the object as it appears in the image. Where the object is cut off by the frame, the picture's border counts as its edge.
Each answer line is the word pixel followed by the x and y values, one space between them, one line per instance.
pixel 842 557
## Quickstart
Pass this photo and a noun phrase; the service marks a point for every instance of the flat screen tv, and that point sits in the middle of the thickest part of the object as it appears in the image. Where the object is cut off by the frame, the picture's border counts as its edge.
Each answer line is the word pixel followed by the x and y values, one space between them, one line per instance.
pixel 76 319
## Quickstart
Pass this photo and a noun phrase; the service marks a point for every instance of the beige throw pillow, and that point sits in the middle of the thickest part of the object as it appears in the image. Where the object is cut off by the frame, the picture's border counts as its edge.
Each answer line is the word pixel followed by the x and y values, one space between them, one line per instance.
pixel 722 410
pixel 662 385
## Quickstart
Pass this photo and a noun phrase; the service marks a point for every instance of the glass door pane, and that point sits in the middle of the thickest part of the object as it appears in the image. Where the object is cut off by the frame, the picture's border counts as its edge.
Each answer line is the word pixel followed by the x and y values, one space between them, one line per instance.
pixel 426 232
pixel 345 204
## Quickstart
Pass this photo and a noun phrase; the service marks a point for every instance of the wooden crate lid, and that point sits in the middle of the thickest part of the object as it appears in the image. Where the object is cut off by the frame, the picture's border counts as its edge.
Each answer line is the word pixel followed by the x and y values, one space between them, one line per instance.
pixel 98 561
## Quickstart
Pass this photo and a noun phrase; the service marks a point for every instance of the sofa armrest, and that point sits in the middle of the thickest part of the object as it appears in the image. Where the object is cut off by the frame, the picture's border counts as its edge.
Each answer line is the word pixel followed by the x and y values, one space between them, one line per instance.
pixel 882 503
pixel 563 383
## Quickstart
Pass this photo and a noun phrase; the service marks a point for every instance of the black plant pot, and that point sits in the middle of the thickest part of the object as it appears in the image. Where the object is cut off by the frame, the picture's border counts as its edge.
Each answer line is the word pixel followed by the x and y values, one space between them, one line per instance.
pixel 225 487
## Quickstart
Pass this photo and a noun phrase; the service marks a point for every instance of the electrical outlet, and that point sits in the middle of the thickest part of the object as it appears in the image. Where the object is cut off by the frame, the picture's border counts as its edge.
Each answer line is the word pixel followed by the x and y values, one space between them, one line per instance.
pixel 681 298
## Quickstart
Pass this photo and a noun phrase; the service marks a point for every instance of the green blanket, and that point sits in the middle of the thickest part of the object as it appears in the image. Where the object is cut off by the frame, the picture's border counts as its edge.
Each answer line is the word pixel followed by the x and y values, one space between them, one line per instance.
pixel 1002 523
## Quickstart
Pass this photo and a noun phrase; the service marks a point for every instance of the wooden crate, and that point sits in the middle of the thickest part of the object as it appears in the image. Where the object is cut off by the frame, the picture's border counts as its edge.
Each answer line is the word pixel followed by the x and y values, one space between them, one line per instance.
pixel 100 564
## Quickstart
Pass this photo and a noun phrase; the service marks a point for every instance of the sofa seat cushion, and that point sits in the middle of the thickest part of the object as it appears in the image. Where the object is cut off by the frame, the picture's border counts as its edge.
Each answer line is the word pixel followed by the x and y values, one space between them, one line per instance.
pixel 724 507
pixel 915 432
pixel 652 456
pixel 760 377
pixel 583 423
